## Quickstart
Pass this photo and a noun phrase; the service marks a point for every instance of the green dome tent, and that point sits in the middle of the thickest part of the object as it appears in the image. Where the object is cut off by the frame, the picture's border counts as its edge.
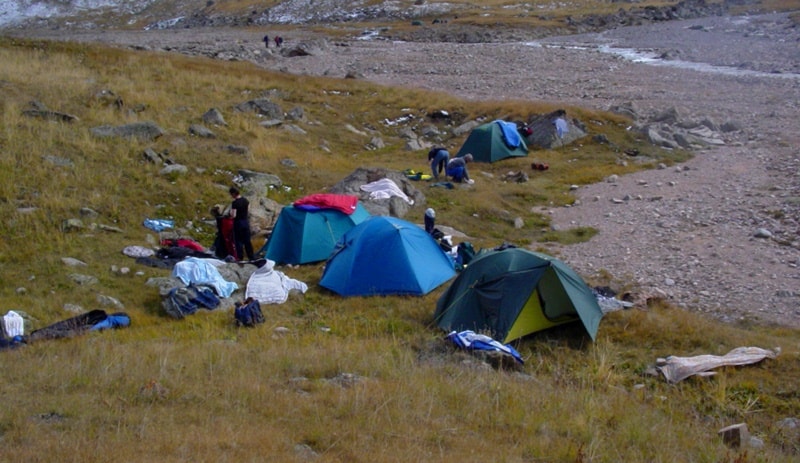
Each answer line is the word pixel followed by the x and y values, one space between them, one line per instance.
pixel 487 142
pixel 514 292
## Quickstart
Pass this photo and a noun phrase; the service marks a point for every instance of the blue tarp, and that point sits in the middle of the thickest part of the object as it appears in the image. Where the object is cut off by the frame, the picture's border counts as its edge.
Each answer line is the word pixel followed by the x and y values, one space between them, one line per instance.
pixel 510 133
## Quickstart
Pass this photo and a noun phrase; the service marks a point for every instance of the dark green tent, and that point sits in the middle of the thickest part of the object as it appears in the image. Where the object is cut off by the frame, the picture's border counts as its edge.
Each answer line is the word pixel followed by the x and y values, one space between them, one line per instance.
pixel 486 143
pixel 513 292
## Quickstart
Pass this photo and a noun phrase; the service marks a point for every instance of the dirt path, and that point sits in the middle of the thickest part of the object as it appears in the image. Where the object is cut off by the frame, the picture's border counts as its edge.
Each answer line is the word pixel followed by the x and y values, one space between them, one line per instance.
pixel 687 234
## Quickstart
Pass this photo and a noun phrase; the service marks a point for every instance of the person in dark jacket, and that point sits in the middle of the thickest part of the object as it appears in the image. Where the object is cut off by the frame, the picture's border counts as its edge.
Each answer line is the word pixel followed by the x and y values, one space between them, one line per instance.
pixel 241 224
pixel 438 158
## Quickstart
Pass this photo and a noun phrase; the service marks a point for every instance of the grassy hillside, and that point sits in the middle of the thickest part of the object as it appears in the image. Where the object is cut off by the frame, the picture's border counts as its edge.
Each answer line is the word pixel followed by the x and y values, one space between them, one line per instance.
pixel 359 379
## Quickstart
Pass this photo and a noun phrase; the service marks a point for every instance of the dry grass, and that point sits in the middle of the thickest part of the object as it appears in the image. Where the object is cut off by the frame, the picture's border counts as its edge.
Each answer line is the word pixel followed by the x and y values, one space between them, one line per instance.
pixel 358 379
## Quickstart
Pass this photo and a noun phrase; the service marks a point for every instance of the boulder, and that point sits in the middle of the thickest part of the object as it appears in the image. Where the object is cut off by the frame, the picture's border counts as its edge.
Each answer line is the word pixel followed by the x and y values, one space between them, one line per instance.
pixel 394 206
pixel 146 131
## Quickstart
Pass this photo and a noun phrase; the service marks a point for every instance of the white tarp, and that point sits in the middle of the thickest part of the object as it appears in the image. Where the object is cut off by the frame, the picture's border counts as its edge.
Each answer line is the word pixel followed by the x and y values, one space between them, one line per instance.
pixel 677 369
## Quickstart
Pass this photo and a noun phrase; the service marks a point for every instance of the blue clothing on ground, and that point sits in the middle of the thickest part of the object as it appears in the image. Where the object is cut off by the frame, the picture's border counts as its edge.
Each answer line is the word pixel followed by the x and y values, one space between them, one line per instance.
pixel 117 320
pixel 470 340
pixel 158 225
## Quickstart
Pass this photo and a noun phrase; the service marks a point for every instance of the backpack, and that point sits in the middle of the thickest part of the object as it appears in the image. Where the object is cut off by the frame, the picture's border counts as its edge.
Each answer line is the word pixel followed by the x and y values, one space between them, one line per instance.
pixel 248 313
pixel 466 252
pixel 183 301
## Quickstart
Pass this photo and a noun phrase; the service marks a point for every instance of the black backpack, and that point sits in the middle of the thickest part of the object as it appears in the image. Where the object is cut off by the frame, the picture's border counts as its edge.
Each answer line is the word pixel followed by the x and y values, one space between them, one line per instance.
pixel 248 313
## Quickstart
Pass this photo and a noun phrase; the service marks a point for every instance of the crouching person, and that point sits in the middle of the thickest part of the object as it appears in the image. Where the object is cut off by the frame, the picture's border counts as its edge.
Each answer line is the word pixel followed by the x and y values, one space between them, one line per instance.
pixel 457 169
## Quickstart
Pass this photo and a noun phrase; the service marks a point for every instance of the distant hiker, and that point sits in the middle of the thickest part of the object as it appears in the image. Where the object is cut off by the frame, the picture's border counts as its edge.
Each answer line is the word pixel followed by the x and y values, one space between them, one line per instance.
pixel 457 169
pixel 278 41
pixel 438 158
pixel 266 41
pixel 561 123
pixel 241 224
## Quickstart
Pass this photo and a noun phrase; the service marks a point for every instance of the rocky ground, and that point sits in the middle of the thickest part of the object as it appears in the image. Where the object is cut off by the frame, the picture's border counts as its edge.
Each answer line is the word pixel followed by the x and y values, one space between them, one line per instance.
pixel 719 234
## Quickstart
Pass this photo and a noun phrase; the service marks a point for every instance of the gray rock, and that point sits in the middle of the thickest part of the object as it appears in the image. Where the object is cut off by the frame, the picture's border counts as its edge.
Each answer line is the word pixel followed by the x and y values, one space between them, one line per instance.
pixel 58 161
pixel 88 212
pixel 296 114
pixel 296 129
pixel 413 145
pixel 153 157
pixel 762 233
pixel 465 128
pixel 108 301
pixel 305 48
pixel 214 117
pixel 146 131
pixel 262 107
pixel 74 308
pixel 109 228
pixel 394 206
pixel 174 169
pixel 407 133
pixel 659 139
pixel 376 143
pixel 735 435
pixel 668 116
pixel 627 109
pixel 83 280
pixel 269 123
pixel 731 126
pixel 72 225
pixel 50 115
pixel 430 130
pixel 201 131
pixel 72 262
pixel 164 284
pixel 543 132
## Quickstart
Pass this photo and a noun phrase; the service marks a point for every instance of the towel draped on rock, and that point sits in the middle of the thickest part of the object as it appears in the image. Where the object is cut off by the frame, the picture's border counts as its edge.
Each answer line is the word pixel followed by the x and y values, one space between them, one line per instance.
pixel 203 272
pixel 385 188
